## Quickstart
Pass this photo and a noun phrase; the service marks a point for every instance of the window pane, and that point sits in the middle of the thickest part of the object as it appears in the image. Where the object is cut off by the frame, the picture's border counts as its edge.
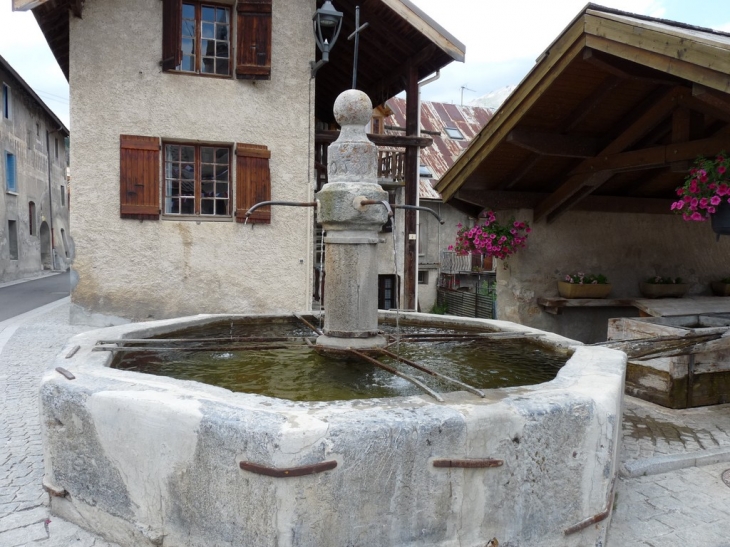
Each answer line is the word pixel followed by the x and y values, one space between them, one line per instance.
pixel 172 206
pixel 221 15
pixel 208 65
pixel 188 63
pixel 187 153
pixel 221 155
pixel 188 11
pixel 221 32
pixel 187 46
pixel 208 30
pixel 207 206
pixel 208 48
pixel 187 172
pixel 206 189
pixel 208 13
pixel 221 190
pixel 187 206
pixel 188 188
pixel 206 154
pixel 221 173
pixel 172 152
pixel 221 49
pixel 221 66
pixel 207 172
pixel 173 188
pixel 221 207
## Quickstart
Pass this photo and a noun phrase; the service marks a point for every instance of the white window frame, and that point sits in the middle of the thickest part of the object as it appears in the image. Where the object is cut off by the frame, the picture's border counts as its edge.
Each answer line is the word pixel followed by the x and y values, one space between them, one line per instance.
pixel 460 135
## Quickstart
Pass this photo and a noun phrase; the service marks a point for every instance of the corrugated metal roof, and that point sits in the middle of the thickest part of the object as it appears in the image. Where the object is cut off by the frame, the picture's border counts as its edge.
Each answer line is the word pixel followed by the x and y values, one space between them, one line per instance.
pixel 440 156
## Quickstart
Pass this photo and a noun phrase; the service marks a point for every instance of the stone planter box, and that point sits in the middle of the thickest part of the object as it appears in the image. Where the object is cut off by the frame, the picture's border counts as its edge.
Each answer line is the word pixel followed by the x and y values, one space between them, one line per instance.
pixel 720 289
pixel 676 382
pixel 576 290
pixel 663 290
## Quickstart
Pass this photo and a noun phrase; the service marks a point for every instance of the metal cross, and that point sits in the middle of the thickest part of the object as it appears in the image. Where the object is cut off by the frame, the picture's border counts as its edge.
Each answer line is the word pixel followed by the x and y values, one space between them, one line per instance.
pixel 356 35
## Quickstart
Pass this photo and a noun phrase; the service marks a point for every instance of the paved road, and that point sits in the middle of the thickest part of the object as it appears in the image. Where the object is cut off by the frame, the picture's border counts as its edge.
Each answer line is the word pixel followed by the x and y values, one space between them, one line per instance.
pixel 23 297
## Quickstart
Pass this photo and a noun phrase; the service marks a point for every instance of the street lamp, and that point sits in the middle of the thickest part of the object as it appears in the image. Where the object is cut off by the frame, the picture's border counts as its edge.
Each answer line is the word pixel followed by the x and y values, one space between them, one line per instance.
pixel 327 23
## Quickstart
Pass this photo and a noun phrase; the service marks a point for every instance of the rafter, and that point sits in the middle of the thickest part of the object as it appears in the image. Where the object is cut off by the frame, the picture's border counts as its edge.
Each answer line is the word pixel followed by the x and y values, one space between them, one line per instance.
pixel 584 176
pixel 553 144
pixel 499 201
pixel 625 70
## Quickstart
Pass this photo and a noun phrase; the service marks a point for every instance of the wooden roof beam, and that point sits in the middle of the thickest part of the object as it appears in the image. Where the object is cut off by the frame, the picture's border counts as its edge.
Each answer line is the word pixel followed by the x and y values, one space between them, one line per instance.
pixel 553 144
pixel 583 176
pixel 402 70
pixel 499 201
pixel 588 105
pixel 623 69
pixel 651 158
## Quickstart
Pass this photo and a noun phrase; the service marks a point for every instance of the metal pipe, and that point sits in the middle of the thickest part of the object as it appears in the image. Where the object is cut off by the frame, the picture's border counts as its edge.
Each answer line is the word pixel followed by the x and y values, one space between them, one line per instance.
pixel 383 202
pixel 415 365
pixel 419 208
pixel 286 203
pixel 398 373
pixel 308 324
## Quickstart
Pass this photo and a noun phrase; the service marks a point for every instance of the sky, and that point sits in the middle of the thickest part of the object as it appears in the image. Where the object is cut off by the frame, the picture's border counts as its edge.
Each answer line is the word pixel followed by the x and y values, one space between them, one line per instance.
pixel 502 37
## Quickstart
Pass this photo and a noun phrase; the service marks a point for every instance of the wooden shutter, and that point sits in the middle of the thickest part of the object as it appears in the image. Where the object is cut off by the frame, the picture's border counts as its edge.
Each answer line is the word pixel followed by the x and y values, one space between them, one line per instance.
pixel 171 34
pixel 139 177
pixel 253 182
pixel 253 48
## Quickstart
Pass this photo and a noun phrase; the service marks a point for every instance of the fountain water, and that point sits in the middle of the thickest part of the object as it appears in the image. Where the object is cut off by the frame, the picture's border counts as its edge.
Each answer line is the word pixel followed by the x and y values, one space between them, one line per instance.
pixel 148 460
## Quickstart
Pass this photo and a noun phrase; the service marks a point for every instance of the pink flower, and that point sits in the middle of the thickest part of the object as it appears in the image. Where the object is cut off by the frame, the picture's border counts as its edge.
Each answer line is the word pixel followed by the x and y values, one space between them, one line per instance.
pixel 703 203
pixel 451 247
pixel 711 210
pixel 715 200
pixel 722 190
pixel 697 216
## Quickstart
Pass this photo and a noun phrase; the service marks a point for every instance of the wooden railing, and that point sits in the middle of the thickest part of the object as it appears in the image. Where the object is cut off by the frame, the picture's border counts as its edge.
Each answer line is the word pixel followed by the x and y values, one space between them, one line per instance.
pixel 391 165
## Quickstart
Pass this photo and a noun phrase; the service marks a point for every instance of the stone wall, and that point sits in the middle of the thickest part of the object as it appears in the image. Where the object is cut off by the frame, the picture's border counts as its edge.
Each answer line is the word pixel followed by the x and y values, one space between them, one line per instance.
pixel 152 269
pixel 627 248
pixel 23 134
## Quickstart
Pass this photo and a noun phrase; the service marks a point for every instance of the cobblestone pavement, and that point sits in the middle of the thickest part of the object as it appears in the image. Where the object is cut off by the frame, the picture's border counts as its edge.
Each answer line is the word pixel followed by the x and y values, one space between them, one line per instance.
pixel 24 515
pixel 687 506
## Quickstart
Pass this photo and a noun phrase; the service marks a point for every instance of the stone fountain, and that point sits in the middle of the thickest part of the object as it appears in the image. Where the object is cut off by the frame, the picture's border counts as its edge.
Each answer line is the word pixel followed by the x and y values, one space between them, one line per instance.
pixel 150 461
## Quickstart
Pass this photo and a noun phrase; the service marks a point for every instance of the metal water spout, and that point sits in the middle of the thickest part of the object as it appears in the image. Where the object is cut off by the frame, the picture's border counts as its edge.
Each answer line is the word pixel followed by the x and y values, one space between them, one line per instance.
pixel 351 318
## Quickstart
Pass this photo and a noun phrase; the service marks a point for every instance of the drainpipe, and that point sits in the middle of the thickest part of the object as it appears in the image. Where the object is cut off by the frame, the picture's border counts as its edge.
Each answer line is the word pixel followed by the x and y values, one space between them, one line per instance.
pixel 418 197
pixel 50 199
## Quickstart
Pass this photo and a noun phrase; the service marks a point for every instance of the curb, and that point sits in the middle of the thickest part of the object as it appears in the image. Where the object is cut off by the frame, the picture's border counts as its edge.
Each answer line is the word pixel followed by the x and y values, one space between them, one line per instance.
pixel 674 462
pixel 26 279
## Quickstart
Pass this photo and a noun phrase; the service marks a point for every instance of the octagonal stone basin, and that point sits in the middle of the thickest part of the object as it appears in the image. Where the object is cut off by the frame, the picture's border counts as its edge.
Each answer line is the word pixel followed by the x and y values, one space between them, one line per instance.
pixel 146 460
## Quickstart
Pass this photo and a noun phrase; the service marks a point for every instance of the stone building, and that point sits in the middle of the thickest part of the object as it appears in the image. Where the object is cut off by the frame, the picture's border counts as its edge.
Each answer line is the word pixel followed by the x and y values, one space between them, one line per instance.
pixel 187 114
pixel 34 207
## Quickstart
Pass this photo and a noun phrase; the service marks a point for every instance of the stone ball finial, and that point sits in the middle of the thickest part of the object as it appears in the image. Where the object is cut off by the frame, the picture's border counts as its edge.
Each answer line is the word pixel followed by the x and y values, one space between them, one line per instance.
pixel 353 107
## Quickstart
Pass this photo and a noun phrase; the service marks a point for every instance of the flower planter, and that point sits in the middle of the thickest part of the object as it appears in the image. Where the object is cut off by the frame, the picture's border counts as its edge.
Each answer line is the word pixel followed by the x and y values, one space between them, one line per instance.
pixel 576 290
pixel 720 289
pixel 720 219
pixel 663 290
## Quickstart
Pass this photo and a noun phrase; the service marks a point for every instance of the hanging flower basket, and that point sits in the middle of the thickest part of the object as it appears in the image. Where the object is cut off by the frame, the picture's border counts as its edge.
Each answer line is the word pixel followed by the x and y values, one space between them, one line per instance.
pixel 705 193
pixel 721 288
pixel 490 238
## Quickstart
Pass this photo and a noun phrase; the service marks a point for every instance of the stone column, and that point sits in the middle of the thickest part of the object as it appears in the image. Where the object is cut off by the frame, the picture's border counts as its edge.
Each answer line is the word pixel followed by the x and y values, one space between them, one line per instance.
pixel 351 305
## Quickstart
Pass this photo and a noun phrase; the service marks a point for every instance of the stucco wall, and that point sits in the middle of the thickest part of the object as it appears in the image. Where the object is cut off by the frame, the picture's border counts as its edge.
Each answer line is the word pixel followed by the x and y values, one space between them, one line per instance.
pixel 20 136
pixel 627 248
pixel 167 268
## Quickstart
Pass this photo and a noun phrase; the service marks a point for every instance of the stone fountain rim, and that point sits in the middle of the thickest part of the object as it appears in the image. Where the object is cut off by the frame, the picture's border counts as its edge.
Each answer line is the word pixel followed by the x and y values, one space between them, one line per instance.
pixel 93 367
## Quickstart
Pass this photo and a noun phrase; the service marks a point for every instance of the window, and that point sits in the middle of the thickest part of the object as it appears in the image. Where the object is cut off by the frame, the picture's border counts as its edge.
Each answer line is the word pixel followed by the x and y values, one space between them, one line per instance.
pixel 38 130
pixel 29 139
pixel 206 39
pixel 31 218
pixel 424 171
pixel 10 174
pixel 65 242
pixel 196 38
pixel 387 292
pixel 454 133
pixel 197 180
pixel 6 102
pixel 13 239
pixel 56 147
pixel 423 277
pixel 63 195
